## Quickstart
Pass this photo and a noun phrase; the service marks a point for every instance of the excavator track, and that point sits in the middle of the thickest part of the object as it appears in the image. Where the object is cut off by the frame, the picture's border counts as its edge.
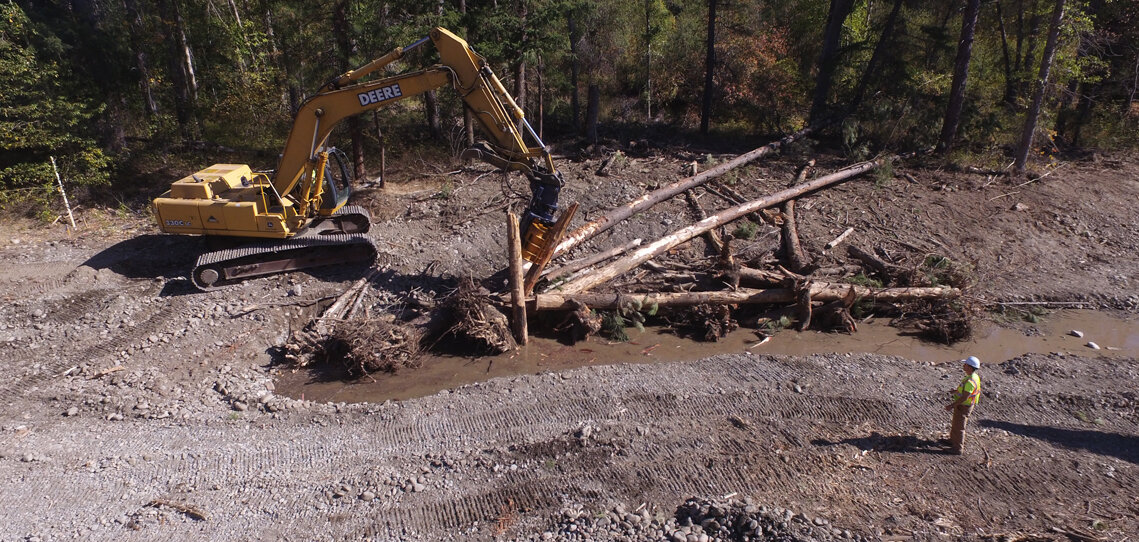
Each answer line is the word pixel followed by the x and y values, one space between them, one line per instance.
pixel 323 244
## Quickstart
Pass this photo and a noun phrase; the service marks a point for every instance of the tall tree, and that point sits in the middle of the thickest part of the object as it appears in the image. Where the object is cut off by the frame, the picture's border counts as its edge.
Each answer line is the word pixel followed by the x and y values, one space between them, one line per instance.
pixel 709 69
pixel 876 58
pixel 347 51
pixel 1039 87
pixel 828 56
pixel 960 75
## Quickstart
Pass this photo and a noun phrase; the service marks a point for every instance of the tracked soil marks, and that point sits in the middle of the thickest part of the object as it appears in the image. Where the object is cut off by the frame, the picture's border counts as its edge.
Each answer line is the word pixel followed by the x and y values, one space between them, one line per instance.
pixel 857 437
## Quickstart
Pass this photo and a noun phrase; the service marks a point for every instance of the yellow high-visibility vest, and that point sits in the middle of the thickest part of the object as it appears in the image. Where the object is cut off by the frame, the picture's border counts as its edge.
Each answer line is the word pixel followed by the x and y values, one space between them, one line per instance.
pixel 970 388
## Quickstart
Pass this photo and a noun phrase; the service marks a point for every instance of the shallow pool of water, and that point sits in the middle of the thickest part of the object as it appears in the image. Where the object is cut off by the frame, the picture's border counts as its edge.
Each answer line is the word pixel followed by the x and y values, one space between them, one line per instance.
pixel 993 343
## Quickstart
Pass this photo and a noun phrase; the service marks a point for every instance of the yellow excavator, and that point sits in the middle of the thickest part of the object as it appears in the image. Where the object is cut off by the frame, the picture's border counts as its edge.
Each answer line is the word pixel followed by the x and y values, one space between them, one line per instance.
pixel 297 217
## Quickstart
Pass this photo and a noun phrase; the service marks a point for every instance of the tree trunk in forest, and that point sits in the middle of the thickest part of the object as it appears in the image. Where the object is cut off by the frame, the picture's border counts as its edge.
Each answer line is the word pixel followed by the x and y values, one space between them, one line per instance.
pixel 1024 62
pixel 468 117
pixel 1040 86
pixel 346 48
pixel 431 108
pixel 520 68
pixel 541 99
pixel 181 71
pixel 960 75
pixel 137 31
pixel 651 250
pixel 709 69
pixel 575 68
pixel 876 58
pixel 592 111
pixel 383 148
pixel 832 36
pixel 648 63
pixel 1006 56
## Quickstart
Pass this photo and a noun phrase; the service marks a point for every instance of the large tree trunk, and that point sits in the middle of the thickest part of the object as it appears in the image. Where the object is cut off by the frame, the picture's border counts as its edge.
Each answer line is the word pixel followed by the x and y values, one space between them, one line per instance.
pixel 820 291
pixel 520 68
pixel 181 68
pixel 709 69
pixel 346 48
pixel 431 108
pixel 592 112
pixel 960 75
pixel 1006 56
pixel 876 58
pixel 575 68
pixel 615 216
pixel 141 62
pixel 651 250
pixel 1040 87
pixel 832 36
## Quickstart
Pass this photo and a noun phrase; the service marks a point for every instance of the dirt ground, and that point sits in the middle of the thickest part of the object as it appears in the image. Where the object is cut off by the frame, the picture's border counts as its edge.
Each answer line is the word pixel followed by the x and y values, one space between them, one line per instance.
pixel 137 408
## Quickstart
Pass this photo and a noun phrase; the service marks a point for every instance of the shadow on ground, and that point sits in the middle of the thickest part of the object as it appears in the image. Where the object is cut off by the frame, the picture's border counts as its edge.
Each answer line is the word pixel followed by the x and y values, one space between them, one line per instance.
pixel 890 443
pixel 1125 447
pixel 149 256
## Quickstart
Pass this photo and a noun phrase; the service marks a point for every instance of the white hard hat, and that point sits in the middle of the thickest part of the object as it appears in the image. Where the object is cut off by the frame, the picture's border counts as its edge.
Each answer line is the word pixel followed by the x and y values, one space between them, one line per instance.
pixel 972 361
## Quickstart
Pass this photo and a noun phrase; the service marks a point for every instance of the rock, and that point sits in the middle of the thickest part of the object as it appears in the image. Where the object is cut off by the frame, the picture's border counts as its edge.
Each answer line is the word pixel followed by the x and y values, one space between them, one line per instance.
pixel 1093 346
pixel 1076 333
pixel 418 487
pixel 240 406
pixel 367 496
pixel 1020 207
pixel 71 412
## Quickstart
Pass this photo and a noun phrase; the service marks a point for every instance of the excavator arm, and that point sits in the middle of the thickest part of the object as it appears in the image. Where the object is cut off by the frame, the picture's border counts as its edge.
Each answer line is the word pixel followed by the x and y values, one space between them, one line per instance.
pixel 502 121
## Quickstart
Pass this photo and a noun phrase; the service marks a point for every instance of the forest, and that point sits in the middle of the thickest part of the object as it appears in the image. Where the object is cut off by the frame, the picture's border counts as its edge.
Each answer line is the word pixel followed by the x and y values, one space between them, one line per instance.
pixel 114 90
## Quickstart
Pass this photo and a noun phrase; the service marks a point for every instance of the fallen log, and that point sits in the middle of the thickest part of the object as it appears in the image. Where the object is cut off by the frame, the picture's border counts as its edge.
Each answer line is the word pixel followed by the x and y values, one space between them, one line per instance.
pixel 729 195
pixel 819 291
pixel 615 216
pixel 712 235
pixel 682 235
pixel 792 250
pixel 887 271
pixel 577 265
pixel 762 276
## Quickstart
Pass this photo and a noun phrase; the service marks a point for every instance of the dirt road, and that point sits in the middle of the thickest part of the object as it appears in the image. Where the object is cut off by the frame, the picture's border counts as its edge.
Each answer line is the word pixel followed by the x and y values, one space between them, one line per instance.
pixel 138 409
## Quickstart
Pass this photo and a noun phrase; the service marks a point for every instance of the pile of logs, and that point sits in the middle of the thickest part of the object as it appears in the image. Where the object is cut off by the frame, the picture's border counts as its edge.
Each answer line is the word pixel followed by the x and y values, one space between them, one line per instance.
pixel 710 292
pixel 703 299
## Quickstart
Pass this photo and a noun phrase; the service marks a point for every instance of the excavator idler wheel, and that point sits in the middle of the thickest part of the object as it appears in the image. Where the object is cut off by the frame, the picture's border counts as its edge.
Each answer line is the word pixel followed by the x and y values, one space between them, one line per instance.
pixel 208 276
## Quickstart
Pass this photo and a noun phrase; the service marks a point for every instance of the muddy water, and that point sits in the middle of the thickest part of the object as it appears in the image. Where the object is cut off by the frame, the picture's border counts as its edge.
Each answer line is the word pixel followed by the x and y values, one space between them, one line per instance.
pixel 991 342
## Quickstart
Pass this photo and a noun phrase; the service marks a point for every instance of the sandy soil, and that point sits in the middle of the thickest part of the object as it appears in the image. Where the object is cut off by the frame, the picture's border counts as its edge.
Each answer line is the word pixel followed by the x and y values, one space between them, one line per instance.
pixel 137 408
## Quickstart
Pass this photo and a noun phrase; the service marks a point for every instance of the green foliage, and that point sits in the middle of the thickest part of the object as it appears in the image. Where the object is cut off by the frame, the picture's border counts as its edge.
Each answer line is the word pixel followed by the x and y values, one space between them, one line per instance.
pixel 937 270
pixel 41 115
pixel 613 326
pixel 746 230
pixel 884 174
pixel 862 280
pixel 783 322
pixel 76 79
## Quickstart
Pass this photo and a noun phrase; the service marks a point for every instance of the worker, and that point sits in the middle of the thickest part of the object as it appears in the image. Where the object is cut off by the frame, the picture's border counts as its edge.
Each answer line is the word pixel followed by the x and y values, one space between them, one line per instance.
pixel 964 399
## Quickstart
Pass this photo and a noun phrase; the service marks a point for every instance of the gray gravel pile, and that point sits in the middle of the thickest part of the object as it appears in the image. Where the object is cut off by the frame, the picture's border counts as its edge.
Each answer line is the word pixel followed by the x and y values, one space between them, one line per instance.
pixel 699 520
